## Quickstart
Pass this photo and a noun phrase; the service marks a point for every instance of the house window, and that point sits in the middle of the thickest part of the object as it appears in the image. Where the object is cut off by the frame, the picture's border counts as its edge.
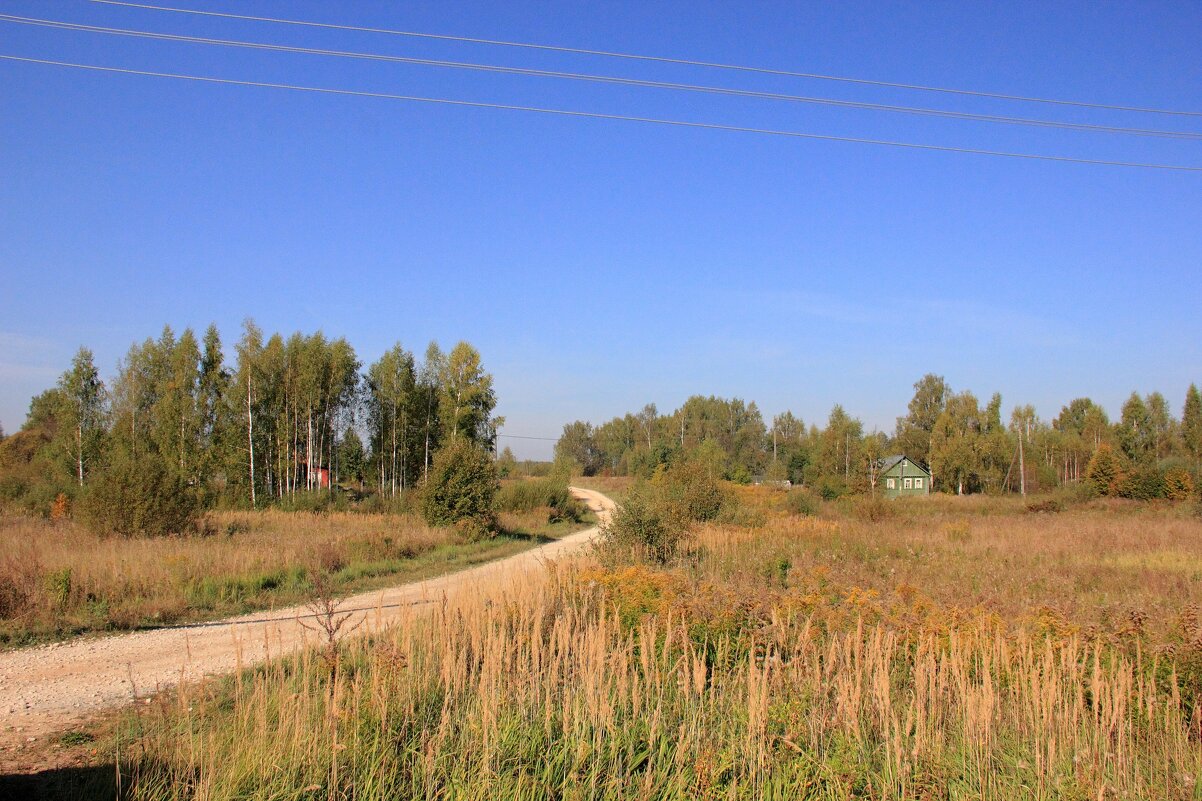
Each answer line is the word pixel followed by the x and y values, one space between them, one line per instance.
pixel 918 483
pixel 908 483
pixel 890 484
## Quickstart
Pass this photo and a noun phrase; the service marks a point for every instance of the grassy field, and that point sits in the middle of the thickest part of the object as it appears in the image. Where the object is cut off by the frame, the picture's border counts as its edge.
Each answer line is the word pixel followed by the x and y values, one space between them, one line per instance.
pixel 58 579
pixel 945 649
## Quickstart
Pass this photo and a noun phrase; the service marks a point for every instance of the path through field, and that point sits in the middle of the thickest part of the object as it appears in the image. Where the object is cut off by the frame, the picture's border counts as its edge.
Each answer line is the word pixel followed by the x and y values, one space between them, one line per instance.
pixel 48 689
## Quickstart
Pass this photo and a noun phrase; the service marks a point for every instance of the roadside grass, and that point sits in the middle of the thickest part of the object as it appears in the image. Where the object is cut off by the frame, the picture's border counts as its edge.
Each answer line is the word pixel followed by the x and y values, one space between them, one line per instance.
pixel 940 656
pixel 60 580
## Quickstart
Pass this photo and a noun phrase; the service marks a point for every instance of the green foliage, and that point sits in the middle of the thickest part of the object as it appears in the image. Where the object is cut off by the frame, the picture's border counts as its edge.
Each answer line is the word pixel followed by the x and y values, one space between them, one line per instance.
pixel 577 449
pixel 1144 483
pixel 466 399
pixel 802 502
pixel 656 516
pixel 462 486
pixel 1105 471
pixel 1178 484
pixel 688 493
pixel 1191 423
pixel 641 527
pixel 832 488
pixel 349 457
pixel 138 497
pixel 913 436
pixel 57 587
pixel 1136 430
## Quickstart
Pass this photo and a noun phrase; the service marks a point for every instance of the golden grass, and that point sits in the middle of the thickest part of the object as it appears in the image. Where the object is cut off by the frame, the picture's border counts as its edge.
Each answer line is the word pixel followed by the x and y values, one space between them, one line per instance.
pixel 1087 566
pixel 59 578
pixel 548 693
pixel 932 655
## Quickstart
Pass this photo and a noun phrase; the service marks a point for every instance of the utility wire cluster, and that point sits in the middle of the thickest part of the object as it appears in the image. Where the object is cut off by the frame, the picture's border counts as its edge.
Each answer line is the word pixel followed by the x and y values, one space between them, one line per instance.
pixel 1022 121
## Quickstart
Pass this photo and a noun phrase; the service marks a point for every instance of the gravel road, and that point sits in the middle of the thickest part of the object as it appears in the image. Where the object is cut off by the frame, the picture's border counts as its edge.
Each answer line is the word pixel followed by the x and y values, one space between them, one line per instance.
pixel 51 688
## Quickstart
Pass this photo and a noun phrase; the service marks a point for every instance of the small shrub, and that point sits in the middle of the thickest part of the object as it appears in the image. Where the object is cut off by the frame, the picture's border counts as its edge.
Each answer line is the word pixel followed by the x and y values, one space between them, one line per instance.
pixel 1104 471
pixel 475 529
pixel 639 527
pixel 874 510
pixel 1144 484
pixel 1178 484
pixel 57 586
pixel 61 508
pixel 139 497
pixel 74 738
pixel 832 488
pixel 1046 506
pixel 462 485
pixel 689 493
pixel 314 501
pixel 802 502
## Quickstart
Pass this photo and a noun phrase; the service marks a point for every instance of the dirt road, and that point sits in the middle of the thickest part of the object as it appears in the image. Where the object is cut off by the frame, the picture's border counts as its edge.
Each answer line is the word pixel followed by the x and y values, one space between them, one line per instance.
pixel 49 688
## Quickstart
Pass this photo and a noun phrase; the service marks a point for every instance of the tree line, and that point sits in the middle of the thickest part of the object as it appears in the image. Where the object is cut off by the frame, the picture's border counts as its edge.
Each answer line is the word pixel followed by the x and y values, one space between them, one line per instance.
pixel 968 447
pixel 288 417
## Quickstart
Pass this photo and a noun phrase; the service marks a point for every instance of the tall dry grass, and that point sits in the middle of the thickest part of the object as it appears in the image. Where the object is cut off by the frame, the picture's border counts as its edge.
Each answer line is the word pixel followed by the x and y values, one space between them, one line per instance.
pixel 1090 568
pixel 925 656
pixel 548 693
pixel 58 579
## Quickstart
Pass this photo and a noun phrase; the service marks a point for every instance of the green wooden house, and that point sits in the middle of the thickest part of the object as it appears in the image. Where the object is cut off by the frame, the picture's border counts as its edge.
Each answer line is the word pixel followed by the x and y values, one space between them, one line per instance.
pixel 901 477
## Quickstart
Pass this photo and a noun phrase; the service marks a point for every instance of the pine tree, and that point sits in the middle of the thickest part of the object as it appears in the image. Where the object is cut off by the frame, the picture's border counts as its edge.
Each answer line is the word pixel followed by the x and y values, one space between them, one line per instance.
pixel 1191 424
pixel 1104 472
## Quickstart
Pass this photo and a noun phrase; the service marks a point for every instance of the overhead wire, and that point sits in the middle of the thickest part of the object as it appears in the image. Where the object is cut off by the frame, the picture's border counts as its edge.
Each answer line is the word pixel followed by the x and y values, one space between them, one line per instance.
pixel 605 116
pixel 607 79
pixel 658 59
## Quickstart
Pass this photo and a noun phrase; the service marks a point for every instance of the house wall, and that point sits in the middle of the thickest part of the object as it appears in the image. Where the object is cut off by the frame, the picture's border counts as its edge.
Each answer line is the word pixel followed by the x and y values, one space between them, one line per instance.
pixel 899 473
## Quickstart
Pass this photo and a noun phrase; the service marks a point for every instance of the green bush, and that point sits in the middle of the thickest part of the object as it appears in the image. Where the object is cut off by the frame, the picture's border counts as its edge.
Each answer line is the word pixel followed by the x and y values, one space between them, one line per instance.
pixel 655 518
pixel 688 493
pixel 832 488
pixel 1104 471
pixel 1144 484
pixel 801 502
pixel 462 486
pixel 640 527
pixel 133 497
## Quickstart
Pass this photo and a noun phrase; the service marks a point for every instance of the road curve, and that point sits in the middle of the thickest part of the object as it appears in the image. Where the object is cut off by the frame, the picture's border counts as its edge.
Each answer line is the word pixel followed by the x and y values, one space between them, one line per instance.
pixel 49 688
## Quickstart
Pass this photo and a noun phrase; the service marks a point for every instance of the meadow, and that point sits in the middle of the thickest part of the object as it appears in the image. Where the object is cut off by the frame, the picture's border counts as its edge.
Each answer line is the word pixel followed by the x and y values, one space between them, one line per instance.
pixel 939 650
pixel 58 579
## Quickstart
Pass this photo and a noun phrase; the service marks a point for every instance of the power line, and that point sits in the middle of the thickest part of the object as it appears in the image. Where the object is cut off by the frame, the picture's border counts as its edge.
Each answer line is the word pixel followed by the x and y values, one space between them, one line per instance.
pixel 713 126
pixel 656 59
pixel 519 436
pixel 609 79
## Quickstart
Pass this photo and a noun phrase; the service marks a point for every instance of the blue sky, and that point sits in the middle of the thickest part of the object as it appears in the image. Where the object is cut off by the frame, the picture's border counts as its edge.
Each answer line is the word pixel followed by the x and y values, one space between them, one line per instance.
pixel 599 265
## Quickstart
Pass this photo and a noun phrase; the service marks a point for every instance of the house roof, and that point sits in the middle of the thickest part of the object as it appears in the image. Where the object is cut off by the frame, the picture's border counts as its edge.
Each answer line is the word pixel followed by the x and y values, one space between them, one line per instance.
pixel 890 462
